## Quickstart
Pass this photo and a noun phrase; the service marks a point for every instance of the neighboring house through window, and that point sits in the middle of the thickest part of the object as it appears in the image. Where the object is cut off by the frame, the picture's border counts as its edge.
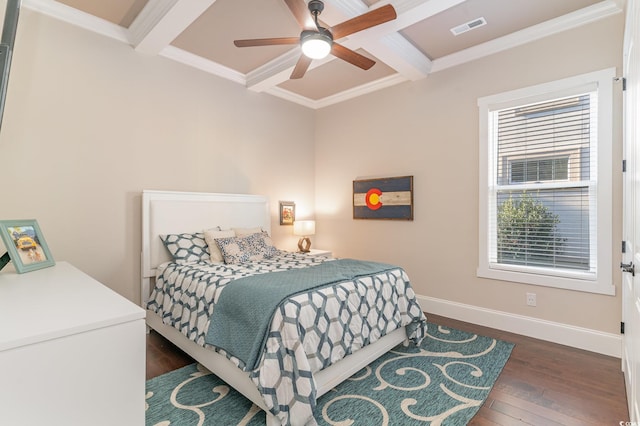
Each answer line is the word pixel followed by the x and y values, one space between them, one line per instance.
pixel 545 184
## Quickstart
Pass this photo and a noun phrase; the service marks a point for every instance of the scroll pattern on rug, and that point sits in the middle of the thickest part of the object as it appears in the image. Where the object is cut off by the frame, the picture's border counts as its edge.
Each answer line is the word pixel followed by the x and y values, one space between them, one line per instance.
pixel 444 381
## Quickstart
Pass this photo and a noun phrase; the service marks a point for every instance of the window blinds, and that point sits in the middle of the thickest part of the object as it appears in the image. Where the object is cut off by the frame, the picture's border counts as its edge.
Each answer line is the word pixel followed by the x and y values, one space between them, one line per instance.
pixel 543 203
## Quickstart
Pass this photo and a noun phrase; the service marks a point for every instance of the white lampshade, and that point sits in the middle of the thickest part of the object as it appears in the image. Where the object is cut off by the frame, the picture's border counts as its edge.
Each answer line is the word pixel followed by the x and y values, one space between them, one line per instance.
pixel 304 227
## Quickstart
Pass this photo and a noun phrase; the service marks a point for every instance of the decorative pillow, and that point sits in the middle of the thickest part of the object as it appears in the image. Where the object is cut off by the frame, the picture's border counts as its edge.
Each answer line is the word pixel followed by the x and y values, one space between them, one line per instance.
pixel 186 248
pixel 242 249
pixel 241 232
pixel 210 237
pixel 263 245
pixel 233 249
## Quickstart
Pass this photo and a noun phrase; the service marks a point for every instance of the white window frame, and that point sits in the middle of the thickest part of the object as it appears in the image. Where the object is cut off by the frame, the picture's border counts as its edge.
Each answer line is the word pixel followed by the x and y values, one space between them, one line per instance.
pixel 600 280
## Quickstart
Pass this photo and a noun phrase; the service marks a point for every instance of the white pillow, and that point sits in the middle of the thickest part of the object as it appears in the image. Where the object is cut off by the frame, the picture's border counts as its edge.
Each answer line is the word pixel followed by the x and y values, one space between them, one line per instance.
pixel 241 232
pixel 210 236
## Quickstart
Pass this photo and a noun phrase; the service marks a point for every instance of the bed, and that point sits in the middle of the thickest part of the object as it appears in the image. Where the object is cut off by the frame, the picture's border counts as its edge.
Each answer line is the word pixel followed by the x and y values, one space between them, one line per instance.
pixel 286 377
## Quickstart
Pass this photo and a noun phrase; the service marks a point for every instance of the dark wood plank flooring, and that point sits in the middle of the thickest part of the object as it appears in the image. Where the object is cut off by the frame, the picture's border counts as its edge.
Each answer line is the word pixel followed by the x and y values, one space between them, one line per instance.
pixel 542 384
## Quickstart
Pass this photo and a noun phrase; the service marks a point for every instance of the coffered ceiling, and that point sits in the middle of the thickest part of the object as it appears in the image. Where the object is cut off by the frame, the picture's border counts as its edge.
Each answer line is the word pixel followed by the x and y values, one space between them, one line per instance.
pixel 418 42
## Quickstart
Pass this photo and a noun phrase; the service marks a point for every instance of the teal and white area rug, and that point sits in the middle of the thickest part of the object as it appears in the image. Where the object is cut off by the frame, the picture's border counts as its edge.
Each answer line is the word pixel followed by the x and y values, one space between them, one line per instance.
pixel 442 382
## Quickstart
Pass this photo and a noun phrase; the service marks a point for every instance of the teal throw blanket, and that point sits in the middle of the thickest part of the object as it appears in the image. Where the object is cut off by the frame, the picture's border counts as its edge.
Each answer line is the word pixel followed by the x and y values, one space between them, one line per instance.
pixel 242 317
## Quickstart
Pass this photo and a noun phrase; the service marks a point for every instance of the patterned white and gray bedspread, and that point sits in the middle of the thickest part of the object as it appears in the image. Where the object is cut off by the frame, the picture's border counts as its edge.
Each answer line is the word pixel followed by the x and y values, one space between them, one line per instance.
pixel 309 331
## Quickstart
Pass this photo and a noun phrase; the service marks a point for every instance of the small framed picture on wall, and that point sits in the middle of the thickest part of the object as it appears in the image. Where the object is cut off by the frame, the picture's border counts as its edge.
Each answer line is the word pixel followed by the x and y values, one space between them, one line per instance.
pixel 287 212
pixel 26 245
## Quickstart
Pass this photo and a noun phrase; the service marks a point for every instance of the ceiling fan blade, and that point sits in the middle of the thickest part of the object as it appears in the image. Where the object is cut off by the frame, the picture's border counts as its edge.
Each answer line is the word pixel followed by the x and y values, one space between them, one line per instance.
pixel 301 67
pixel 352 57
pixel 366 20
pixel 300 11
pixel 266 41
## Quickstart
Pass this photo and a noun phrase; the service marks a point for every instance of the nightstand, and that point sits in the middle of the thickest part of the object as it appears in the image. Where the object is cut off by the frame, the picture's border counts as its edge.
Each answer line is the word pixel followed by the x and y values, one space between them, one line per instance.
pixel 318 252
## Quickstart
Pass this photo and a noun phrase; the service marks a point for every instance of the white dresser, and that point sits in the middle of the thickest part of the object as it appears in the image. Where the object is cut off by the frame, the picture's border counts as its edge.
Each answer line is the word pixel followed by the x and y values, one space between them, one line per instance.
pixel 72 351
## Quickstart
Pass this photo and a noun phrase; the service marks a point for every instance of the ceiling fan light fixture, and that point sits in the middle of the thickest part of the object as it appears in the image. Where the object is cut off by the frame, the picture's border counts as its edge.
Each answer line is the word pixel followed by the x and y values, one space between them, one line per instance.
pixel 316 45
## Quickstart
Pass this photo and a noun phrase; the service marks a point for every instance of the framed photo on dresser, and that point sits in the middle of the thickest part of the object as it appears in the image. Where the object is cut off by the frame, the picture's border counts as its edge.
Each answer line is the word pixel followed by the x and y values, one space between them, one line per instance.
pixel 25 245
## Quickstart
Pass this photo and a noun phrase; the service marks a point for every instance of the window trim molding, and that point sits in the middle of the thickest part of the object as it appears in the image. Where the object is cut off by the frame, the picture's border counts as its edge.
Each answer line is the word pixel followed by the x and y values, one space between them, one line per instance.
pixel 601 281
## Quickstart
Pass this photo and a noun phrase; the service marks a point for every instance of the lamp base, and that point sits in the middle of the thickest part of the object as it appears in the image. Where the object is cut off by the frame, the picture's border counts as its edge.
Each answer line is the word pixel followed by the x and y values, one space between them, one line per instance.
pixel 304 244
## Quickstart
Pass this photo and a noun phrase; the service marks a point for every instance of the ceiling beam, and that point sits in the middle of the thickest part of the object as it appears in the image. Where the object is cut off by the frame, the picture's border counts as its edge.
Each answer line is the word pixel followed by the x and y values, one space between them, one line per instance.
pixel 413 11
pixel 384 41
pixel 161 21
pixel 278 70
pixel 274 72
pixel 398 53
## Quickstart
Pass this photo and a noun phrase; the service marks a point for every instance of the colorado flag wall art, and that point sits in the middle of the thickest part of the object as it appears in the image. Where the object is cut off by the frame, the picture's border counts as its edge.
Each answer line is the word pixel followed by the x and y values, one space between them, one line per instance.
pixel 385 198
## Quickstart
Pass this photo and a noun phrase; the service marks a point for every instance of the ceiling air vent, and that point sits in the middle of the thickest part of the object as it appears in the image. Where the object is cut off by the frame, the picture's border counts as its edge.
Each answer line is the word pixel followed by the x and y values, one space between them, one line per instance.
pixel 476 23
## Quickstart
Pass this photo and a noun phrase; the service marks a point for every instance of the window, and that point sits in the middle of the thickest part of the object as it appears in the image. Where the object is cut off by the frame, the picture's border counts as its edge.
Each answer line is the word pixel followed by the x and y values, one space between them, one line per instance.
pixel 545 184
pixel 538 169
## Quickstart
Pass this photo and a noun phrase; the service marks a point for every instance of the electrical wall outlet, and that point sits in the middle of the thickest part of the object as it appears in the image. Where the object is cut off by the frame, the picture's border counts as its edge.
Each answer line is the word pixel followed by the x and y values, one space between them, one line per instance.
pixel 531 299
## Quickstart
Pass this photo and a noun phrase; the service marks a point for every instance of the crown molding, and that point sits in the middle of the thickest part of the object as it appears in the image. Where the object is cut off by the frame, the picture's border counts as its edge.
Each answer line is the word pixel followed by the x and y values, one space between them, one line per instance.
pixel 354 92
pixel 80 19
pixel 291 97
pixel 338 97
pixel 203 64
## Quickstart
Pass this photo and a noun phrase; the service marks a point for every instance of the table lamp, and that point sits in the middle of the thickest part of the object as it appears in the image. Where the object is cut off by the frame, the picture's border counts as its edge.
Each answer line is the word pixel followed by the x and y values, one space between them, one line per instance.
pixel 304 228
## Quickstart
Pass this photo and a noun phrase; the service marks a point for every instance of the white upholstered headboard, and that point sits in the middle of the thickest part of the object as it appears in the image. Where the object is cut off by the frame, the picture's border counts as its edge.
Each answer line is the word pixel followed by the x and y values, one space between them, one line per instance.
pixel 170 212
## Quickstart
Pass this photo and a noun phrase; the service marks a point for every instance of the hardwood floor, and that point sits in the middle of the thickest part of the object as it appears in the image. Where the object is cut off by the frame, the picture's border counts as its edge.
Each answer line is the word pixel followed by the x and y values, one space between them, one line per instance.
pixel 542 383
pixel 545 383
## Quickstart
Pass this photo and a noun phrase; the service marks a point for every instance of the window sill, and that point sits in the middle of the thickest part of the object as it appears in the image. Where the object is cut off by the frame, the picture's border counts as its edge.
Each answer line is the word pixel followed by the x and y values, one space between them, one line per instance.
pixel 577 284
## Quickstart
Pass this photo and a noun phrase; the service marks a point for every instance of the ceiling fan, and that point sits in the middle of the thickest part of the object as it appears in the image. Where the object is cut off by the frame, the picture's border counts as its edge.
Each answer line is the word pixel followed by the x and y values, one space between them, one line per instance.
pixel 317 42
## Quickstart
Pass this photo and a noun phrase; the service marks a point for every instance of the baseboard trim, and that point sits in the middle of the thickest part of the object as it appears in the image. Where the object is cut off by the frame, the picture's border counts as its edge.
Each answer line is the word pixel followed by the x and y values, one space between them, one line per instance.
pixel 564 334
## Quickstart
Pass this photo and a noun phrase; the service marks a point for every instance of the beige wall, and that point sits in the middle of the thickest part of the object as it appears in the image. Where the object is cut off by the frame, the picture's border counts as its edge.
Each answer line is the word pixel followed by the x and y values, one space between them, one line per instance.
pixel 89 123
pixel 429 129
